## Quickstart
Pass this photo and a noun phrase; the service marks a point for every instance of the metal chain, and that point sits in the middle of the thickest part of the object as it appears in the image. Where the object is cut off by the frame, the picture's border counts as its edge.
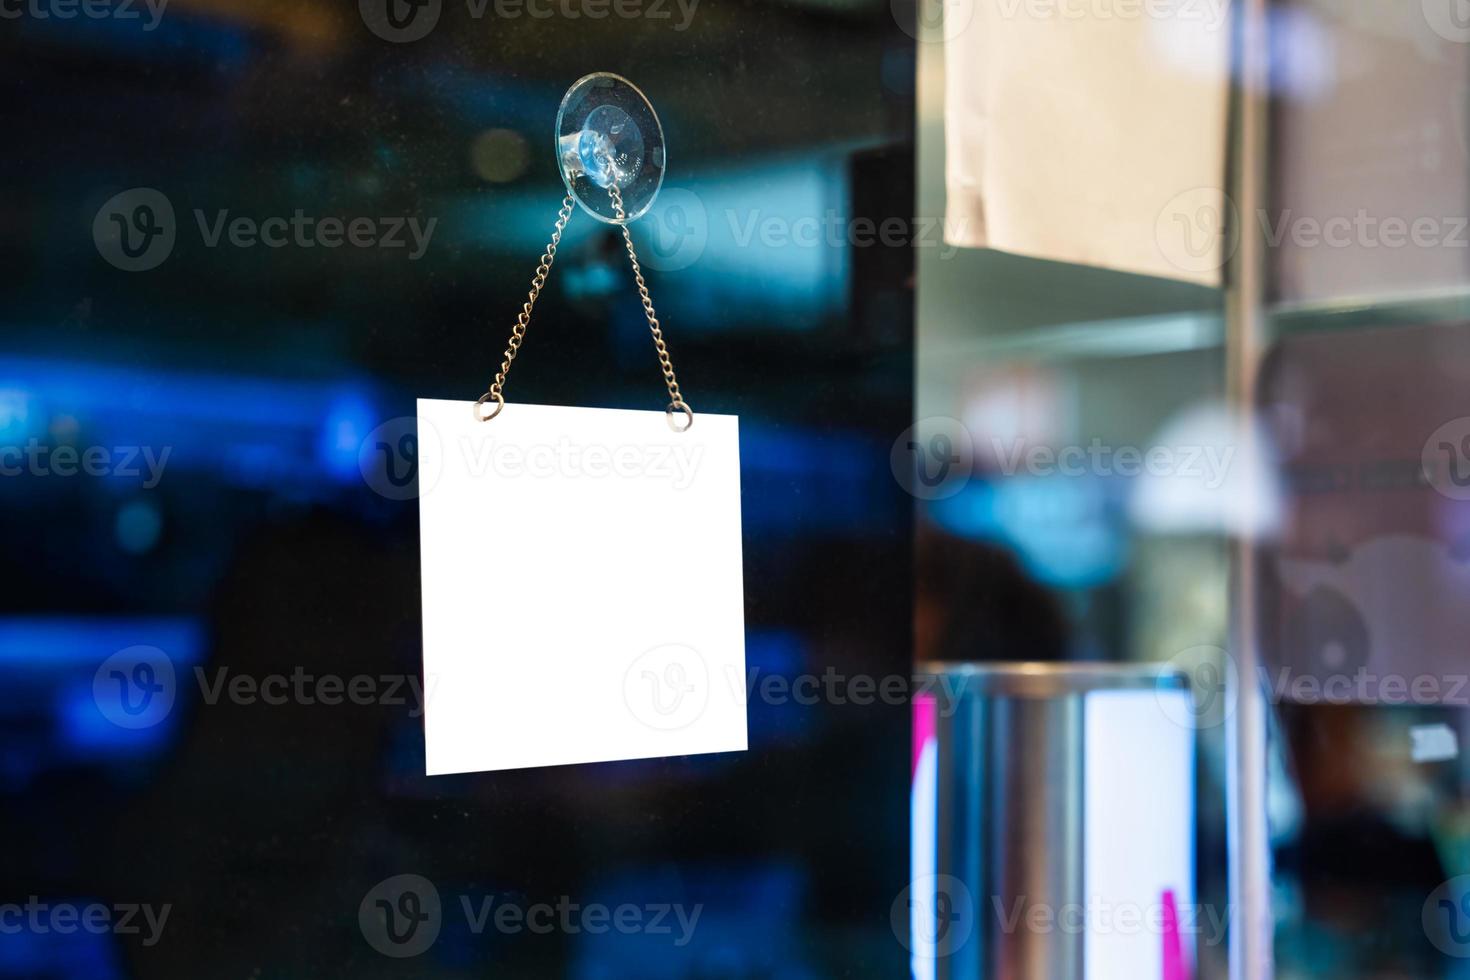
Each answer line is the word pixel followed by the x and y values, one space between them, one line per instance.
pixel 518 332
pixel 676 400
pixel 496 391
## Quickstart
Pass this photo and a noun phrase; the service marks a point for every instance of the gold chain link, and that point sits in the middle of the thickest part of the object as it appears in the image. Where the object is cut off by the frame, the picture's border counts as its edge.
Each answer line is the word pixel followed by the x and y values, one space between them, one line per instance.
pixel 518 332
pixel 676 400
pixel 496 392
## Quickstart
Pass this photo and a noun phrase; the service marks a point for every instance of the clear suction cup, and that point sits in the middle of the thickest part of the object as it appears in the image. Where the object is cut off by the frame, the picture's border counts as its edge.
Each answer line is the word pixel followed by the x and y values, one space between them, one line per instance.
pixel 608 135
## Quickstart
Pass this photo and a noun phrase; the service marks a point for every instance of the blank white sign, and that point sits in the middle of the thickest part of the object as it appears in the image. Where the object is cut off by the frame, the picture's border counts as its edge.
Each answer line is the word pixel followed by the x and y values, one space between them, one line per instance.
pixel 582 586
pixel 1139 809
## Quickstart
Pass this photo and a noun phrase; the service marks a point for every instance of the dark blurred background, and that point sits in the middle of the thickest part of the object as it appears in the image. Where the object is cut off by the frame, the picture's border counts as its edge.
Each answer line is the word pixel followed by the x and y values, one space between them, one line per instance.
pixel 229 519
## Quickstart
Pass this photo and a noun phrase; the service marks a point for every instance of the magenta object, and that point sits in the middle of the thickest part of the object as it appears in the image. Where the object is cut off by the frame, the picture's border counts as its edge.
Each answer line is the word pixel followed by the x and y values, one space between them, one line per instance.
pixel 1175 966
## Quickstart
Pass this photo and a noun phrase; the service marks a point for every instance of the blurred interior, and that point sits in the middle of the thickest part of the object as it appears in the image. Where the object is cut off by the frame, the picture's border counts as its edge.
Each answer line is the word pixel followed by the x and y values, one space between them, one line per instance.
pixel 1357 557
pixel 265 550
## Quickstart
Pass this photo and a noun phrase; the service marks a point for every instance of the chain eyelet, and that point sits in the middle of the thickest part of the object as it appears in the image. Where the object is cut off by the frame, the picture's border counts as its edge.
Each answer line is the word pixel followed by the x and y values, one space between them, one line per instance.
pixel 499 406
pixel 688 416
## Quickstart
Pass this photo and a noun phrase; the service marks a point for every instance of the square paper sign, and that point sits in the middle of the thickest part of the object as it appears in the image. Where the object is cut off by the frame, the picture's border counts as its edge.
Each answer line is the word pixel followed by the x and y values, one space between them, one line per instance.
pixel 582 586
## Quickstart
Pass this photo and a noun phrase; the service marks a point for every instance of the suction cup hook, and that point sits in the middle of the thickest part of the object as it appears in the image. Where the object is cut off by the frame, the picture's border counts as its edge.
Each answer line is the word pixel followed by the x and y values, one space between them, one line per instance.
pixel 608 135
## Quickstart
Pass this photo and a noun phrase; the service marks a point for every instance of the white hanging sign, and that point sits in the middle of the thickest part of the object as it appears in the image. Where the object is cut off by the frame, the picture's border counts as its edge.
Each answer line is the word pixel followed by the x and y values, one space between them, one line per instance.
pixel 583 598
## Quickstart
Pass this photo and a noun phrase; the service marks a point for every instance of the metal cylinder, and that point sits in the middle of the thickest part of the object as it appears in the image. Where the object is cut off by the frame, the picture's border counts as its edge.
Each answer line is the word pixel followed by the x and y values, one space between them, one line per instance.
pixel 1001 828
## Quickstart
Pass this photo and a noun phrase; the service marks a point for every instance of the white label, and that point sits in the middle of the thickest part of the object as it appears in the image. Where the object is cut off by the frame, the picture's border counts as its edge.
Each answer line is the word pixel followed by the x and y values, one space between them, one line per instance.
pixel 582 586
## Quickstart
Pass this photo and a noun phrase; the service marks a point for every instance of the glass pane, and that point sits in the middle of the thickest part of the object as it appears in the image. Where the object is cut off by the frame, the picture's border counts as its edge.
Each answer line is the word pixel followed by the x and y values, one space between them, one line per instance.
pixel 1363 585
pixel 239 239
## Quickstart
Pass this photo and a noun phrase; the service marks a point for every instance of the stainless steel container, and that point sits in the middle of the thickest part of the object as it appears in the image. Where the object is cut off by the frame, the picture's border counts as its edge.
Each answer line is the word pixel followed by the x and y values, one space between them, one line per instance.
pixel 1002 829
